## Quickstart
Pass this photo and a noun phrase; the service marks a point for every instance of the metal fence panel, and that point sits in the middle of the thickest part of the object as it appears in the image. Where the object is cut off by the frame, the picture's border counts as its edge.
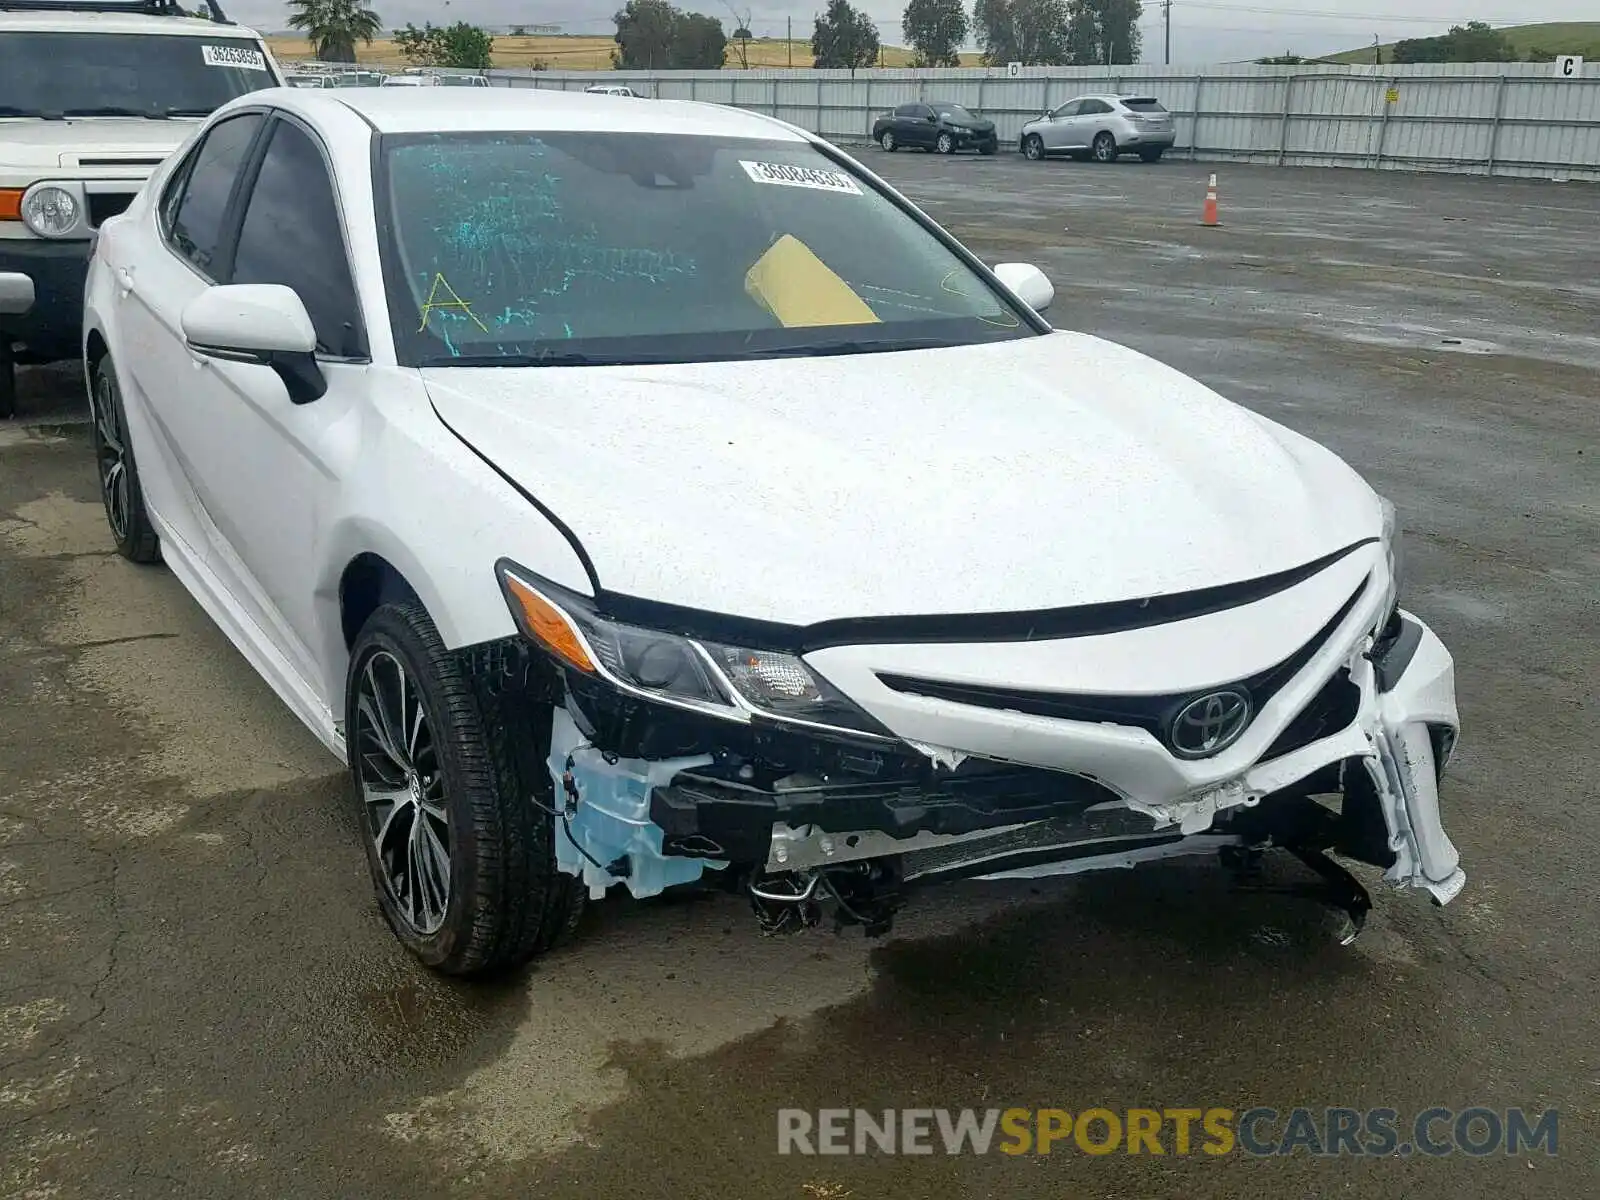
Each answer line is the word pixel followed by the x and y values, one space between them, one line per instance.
pixel 1492 118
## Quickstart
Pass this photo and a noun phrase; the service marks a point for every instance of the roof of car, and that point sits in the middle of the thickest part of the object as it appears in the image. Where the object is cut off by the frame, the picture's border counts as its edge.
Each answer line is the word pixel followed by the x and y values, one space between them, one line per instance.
pixel 426 110
pixel 126 23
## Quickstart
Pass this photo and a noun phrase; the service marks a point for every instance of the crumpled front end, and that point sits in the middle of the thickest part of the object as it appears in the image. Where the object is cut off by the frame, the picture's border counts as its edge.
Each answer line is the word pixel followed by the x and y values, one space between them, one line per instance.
pixel 1315 716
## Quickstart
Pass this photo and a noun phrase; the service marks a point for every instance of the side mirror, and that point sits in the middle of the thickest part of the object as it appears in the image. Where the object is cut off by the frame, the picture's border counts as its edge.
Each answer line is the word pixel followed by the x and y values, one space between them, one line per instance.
pixel 1029 284
pixel 261 323
pixel 16 293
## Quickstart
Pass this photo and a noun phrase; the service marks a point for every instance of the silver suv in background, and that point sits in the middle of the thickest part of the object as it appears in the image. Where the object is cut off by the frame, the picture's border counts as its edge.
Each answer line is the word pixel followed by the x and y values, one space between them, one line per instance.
pixel 1103 128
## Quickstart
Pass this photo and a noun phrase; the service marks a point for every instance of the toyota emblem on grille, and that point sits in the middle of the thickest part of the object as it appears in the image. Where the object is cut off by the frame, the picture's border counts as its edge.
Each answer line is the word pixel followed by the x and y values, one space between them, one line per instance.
pixel 1210 723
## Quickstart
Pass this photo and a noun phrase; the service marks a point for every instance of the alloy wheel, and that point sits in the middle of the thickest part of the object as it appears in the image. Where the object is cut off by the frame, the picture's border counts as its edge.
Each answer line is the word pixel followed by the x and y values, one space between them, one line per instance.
pixel 945 144
pixel 887 140
pixel 402 792
pixel 1033 148
pixel 1105 148
pixel 112 454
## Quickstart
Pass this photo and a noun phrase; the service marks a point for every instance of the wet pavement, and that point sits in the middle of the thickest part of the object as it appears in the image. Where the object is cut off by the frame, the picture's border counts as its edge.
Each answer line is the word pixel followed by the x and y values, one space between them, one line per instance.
pixel 198 997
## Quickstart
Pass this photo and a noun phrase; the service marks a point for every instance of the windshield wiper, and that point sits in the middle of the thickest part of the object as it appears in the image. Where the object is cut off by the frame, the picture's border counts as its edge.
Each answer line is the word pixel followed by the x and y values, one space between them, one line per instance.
pixel 11 110
pixel 187 112
pixel 552 358
pixel 846 346
pixel 112 110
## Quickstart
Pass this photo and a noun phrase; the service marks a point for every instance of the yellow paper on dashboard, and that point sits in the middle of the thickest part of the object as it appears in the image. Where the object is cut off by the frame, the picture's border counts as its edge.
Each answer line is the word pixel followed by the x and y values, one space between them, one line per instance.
pixel 800 290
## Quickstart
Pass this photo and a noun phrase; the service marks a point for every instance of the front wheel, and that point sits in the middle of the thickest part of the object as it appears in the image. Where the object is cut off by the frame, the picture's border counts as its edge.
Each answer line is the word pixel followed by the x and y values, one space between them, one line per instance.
pixel 887 141
pixel 1033 147
pixel 945 144
pixel 1105 149
pixel 455 821
pixel 131 527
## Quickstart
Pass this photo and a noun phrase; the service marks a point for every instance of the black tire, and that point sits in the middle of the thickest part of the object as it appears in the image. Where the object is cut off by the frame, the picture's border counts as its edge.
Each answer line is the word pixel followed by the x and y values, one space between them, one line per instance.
pixel 989 148
pixel 8 384
pixel 120 493
pixel 1104 148
pixel 506 901
pixel 887 140
pixel 1033 147
pixel 944 144
pixel 1153 155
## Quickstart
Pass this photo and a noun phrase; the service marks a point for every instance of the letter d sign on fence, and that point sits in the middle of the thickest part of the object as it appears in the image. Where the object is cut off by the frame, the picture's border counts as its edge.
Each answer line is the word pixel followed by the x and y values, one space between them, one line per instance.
pixel 1569 66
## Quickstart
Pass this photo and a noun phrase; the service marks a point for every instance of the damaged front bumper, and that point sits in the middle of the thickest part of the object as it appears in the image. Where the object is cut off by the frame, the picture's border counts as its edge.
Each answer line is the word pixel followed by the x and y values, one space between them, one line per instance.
pixel 651 799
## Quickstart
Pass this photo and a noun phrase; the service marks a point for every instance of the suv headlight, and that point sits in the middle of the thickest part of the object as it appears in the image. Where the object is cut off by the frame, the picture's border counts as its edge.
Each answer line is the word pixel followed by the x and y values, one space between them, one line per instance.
pixel 49 211
pixel 730 682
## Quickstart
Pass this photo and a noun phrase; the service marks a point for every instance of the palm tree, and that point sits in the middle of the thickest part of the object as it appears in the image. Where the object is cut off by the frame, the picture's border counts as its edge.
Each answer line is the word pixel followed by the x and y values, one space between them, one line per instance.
pixel 334 25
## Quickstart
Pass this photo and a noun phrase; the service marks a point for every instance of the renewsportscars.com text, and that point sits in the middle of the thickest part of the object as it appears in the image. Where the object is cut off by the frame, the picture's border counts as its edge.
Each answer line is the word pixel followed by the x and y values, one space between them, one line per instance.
pixel 1260 1132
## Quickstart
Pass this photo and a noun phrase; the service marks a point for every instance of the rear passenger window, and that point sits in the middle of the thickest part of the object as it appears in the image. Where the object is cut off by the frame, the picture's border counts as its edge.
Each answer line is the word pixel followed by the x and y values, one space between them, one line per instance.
pixel 1093 108
pixel 291 235
pixel 195 219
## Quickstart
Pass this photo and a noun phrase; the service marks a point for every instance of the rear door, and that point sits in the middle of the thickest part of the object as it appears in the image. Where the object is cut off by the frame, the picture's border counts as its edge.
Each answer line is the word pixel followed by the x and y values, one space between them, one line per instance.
pixel 1093 118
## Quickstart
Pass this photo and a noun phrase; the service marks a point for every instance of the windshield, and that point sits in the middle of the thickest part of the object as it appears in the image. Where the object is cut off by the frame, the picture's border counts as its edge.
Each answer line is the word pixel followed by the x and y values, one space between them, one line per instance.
pixel 591 248
pixel 125 75
pixel 953 112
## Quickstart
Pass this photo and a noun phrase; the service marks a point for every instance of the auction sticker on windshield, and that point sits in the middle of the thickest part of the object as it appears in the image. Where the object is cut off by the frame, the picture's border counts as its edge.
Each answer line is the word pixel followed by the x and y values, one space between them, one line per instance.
pixel 806 177
pixel 238 57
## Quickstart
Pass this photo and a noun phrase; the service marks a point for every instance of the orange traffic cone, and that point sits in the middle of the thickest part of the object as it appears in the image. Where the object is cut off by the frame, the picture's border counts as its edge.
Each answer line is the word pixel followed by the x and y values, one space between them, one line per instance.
pixel 1209 216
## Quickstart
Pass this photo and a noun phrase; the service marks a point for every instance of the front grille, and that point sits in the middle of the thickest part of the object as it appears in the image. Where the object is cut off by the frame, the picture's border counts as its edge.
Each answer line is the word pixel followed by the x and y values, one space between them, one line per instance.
pixel 1330 710
pixel 1151 713
pixel 105 205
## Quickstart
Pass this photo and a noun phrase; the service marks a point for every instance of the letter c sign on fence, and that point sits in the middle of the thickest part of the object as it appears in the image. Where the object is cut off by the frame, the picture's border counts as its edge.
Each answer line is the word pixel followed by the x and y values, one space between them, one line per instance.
pixel 1569 66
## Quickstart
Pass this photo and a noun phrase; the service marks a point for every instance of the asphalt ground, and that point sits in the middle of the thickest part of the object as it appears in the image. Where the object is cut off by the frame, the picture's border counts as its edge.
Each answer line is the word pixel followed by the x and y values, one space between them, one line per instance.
pixel 198 997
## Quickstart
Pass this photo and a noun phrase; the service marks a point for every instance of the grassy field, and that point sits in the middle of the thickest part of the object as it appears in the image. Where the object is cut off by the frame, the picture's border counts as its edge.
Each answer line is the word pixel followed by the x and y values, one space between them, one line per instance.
pixel 574 53
pixel 1570 37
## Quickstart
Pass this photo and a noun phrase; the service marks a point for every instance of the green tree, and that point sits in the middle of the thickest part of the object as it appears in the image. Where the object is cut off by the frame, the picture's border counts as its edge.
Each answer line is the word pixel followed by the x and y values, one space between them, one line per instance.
pixel 644 35
pixel 334 26
pixel 844 37
pixel 1033 32
pixel 461 45
pixel 652 35
pixel 935 29
pixel 698 43
pixel 1104 32
pixel 1473 42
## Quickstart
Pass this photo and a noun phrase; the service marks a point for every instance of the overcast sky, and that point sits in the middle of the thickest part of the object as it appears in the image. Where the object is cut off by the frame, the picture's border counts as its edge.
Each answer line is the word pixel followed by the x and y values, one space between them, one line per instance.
pixel 1203 31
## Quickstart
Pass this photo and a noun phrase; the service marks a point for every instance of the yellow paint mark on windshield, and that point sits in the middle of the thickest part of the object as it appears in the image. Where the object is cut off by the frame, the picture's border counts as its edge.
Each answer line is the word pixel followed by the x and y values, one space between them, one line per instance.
pixel 800 290
pixel 455 301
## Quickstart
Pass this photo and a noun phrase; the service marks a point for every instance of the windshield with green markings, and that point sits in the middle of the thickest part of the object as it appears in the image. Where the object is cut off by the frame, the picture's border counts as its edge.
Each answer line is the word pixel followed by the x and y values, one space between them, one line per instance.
pixel 586 248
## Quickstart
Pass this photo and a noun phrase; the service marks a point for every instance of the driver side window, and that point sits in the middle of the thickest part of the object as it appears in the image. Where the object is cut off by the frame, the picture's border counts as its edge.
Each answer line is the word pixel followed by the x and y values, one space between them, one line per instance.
pixel 1069 109
pixel 193 209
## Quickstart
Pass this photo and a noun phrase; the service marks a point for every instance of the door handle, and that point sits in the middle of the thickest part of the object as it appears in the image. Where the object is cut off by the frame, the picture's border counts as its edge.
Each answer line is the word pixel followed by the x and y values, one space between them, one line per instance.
pixel 125 280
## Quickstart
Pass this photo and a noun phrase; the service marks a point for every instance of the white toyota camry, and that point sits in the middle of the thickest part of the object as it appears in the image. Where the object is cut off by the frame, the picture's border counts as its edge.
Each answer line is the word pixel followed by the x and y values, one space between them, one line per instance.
pixel 636 495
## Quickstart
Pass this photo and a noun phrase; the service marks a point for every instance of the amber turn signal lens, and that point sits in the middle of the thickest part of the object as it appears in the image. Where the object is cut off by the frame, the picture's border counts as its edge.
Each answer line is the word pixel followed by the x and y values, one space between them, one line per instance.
pixel 10 204
pixel 548 625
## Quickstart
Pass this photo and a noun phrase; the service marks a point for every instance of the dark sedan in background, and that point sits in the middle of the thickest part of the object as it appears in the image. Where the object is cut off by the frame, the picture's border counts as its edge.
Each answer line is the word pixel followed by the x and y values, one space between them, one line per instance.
pixel 939 125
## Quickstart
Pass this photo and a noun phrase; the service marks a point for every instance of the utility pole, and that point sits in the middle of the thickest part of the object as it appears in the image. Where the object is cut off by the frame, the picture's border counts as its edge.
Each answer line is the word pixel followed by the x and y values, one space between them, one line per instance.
pixel 1168 7
pixel 1377 51
pixel 788 37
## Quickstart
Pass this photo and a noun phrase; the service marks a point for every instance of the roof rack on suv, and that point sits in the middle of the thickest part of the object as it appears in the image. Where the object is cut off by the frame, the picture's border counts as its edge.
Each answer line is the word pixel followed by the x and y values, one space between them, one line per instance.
pixel 149 8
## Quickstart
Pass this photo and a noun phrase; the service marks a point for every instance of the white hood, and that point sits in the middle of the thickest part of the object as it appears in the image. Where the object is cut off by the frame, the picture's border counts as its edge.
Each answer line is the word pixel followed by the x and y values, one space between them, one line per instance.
pixel 52 145
pixel 1040 473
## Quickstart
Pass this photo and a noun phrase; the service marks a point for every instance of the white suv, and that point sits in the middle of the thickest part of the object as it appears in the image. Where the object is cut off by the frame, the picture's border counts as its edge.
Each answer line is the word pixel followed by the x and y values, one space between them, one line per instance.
pixel 1103 128
pixel 94 94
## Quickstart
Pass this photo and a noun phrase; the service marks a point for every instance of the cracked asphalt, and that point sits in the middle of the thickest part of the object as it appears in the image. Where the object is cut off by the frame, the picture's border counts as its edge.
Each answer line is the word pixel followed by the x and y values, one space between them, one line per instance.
pixel 198 998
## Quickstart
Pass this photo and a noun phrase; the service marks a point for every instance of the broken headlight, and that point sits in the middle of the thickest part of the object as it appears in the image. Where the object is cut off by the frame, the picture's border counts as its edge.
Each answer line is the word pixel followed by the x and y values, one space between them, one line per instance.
pixel 1393 556
pixel 731 682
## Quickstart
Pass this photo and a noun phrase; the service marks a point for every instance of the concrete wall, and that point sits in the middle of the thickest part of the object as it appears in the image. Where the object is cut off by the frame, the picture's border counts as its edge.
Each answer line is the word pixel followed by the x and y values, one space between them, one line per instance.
pixel 1490 118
